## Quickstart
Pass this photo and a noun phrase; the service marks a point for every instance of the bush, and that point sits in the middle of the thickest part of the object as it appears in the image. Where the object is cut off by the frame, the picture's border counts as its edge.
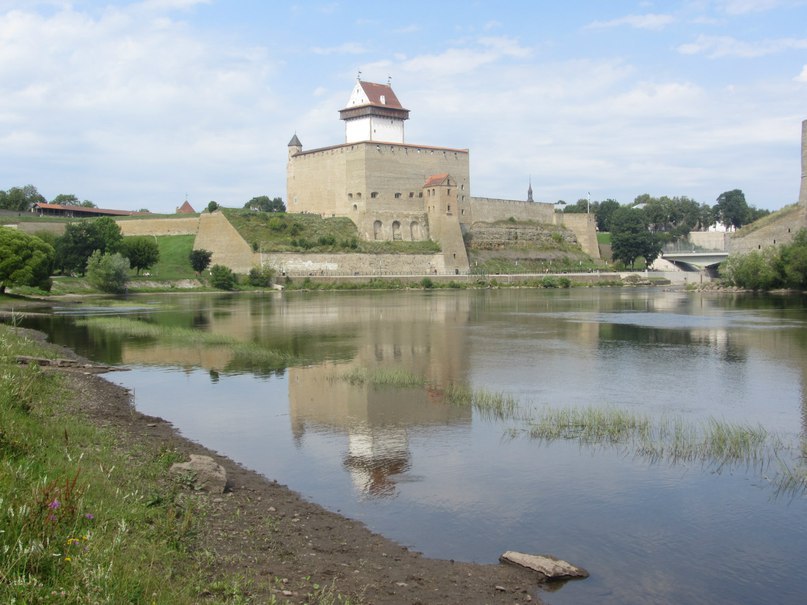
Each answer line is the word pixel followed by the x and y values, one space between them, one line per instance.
pixel 427 283
pixel 260 277
pixel 108 272
pixel 222 277
pixel 277 224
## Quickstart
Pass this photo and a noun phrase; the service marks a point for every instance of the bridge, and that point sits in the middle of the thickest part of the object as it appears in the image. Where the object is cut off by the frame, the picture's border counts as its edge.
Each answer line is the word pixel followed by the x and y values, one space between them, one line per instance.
pixel 704 260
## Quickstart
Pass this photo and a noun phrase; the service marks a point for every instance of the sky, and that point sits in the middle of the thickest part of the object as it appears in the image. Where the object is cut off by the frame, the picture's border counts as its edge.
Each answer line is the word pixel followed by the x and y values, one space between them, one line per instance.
pixel 147 103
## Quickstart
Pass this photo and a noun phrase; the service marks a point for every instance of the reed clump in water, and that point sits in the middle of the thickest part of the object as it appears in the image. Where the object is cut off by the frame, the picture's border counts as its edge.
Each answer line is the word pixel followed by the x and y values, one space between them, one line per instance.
pixel 671 439
pixel 497 405
pixel 388 377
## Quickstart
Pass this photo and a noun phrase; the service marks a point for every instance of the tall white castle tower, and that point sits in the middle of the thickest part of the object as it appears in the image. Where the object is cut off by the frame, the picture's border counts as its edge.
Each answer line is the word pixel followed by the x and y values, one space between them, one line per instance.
pixel 373 113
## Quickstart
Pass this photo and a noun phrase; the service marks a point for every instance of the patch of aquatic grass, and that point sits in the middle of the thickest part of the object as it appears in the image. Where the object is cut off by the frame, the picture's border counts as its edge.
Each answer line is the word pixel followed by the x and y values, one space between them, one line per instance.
pixel 388 377
pixel 256 358
pixel 589 425
pixel 77 522
pixel 497 405
pixel 791 480
pixel 669 439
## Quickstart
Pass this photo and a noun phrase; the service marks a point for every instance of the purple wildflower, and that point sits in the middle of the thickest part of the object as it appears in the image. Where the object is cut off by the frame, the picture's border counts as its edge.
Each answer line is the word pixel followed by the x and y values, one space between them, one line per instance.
pixel 89 516
pixel 54 505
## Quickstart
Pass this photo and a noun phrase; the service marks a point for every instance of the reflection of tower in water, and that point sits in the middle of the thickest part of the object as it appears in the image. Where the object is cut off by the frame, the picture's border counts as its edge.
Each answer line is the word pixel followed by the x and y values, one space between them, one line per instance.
pixel 379 419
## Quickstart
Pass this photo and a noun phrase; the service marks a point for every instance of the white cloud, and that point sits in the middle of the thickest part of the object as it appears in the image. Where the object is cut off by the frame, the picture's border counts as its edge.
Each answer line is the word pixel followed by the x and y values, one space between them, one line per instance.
pixel 742 7
pixel 348 48
pixel 802 77
pixel 463 60
pixel 128 98
pixel 726 46
pixel 648 21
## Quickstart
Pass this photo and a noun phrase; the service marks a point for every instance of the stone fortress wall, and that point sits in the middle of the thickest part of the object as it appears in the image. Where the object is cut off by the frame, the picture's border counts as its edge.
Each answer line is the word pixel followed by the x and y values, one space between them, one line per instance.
pixel 159 226
pixel 372 182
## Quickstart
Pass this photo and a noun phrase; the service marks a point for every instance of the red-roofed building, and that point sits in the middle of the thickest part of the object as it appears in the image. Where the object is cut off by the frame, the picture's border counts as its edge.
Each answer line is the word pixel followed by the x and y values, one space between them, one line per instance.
pixel 374 113
pixel 186 208
pixel 77 211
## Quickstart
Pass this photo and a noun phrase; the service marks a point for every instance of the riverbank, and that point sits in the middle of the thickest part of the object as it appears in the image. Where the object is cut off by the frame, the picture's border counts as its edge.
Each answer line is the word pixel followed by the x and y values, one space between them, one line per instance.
pixel 259 542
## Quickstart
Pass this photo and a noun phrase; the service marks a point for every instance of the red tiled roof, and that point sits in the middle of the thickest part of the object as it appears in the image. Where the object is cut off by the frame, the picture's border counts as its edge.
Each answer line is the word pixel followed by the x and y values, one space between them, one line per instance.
pixel 436 179
pixel 84 210
pixel 375 92
pixel 186 208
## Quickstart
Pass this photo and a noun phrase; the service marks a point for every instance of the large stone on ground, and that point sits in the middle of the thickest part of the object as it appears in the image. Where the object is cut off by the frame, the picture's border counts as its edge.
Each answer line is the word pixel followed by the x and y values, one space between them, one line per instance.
pixel 207 473
pixel 548 566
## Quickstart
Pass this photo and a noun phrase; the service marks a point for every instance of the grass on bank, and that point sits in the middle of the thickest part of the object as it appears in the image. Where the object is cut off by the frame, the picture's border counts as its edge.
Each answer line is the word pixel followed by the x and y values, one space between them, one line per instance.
pixel 83 520
pixel 80 521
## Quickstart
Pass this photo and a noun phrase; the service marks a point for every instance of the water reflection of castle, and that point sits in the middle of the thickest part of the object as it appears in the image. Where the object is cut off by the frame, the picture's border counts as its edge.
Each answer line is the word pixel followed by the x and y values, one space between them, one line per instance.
pixel 378 420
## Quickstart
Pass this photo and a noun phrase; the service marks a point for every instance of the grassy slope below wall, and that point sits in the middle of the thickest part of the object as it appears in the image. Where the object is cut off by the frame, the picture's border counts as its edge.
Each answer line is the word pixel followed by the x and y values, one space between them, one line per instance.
pixel 525 247
pixel 284 232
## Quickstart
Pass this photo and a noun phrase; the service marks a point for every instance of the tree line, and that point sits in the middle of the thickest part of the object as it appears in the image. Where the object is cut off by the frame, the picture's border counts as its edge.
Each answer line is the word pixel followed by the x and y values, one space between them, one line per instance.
pixel 641 229
pixel 95 248
pixel 22 199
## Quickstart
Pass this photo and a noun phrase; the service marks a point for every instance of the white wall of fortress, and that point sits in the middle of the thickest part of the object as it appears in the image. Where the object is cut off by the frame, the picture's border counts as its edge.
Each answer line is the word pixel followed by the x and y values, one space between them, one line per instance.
pixel 301 265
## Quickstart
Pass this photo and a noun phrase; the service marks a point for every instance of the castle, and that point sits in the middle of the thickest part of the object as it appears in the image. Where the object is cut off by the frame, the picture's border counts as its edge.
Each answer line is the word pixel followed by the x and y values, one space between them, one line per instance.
pixel 395 190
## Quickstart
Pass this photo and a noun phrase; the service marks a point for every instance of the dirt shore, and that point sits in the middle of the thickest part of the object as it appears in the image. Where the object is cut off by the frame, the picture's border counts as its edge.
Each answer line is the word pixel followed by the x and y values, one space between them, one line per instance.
pixel 280 546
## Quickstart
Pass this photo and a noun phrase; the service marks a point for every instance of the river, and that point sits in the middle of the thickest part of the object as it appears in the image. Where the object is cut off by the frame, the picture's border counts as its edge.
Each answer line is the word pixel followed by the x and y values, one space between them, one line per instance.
pixel 455 482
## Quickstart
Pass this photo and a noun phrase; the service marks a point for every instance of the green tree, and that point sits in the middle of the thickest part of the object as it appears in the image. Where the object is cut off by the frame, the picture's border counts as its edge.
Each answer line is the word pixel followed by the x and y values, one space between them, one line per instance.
pixel 108 272
pixel 25 260
pixel 732 209
pixel 66 199
pixel 756 270
pixel 212 207
pixel 21 199
pixel 264 204
pixel 261 277
pixel 81 239
pixel 200 259
pixel 604 212
pixel 142 252
pixel 222 277
pixel 793 262
pixel 630 238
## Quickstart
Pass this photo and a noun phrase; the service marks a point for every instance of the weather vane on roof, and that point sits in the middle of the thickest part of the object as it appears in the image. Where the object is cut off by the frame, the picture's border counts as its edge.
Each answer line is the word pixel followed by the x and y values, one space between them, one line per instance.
pixel 389 80
pixel 358 77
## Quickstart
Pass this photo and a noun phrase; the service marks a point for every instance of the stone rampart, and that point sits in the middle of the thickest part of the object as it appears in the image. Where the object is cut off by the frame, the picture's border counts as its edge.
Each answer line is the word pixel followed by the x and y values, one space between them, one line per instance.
pixel 228 247
pixel 779 231
pixel 490 210
pixel 159 226
pixel 584 226
pixel 325 265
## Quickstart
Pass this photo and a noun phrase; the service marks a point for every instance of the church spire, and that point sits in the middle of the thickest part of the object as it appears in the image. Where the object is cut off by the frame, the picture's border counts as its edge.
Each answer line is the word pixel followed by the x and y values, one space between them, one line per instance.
pixel 529 191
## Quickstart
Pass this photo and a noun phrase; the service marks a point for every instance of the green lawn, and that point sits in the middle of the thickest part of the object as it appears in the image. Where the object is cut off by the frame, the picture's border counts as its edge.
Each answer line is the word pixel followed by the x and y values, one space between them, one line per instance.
pixel 174 262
